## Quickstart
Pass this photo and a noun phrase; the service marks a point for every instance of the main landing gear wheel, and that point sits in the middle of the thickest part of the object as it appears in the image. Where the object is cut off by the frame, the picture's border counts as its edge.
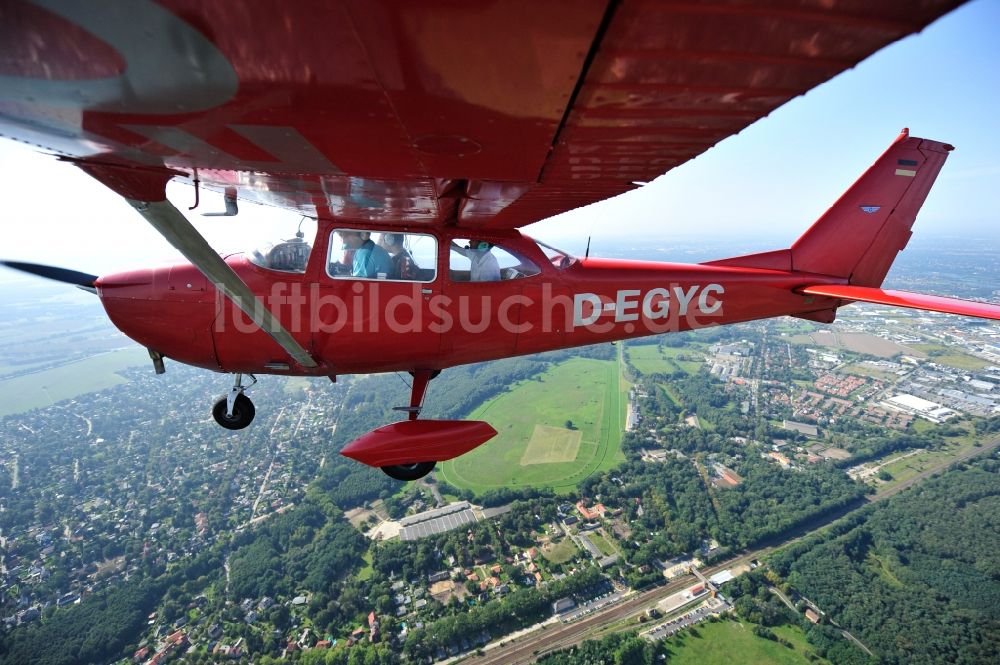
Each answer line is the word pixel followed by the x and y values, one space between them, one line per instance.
pixel 243 412
pixel 414 471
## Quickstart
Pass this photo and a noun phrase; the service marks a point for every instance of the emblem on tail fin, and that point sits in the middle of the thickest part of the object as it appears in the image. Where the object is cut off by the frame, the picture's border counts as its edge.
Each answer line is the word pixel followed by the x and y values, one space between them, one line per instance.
pixel 870 209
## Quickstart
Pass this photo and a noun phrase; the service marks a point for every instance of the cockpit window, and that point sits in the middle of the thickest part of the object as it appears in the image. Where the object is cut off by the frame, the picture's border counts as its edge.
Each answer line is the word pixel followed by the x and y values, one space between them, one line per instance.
pixel 290 255
pixel 559 258
pixel 477 260
pixel 387 255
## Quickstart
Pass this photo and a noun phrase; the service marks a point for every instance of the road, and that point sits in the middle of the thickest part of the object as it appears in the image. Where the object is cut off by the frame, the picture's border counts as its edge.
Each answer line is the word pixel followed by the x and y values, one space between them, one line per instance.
pixel 528 648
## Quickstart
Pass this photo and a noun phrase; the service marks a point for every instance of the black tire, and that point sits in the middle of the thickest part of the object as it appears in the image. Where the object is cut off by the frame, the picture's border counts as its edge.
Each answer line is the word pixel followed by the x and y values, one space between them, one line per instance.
pixel 413 471
pixel 435 374
pixel 243 412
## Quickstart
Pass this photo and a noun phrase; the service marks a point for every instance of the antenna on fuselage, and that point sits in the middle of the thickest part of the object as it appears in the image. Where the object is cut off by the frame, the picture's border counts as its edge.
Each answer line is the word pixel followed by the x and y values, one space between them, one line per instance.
pixel 586 253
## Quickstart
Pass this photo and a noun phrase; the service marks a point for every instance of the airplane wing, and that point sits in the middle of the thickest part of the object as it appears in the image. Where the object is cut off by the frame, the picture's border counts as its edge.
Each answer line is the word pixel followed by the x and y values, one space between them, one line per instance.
pixel 474 114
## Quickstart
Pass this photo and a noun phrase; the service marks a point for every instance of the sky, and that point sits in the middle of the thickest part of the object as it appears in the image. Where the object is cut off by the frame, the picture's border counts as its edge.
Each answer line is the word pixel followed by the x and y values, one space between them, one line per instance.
pixel 763 186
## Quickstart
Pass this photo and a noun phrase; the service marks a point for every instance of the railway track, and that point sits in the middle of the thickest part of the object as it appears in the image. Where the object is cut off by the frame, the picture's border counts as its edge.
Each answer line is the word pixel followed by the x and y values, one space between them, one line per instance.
pixel 530 647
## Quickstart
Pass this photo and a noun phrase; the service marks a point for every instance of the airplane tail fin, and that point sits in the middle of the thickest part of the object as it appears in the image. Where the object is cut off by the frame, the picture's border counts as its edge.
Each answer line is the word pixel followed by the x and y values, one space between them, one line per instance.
pixel 858 238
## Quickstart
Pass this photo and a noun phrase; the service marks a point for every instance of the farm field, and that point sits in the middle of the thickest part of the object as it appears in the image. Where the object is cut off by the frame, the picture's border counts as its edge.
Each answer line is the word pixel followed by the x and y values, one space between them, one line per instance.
pixel 855 341
pixel 23 393
pixel 534 447
pixel 733 643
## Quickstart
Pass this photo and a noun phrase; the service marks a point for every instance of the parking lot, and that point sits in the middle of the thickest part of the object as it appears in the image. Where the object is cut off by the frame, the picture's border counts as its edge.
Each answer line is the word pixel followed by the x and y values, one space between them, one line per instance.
pixel 590 606
pixel 669 628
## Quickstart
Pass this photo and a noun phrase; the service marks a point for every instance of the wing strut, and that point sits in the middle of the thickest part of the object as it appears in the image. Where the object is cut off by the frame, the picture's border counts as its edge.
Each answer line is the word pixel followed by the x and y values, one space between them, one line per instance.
pixel 145 190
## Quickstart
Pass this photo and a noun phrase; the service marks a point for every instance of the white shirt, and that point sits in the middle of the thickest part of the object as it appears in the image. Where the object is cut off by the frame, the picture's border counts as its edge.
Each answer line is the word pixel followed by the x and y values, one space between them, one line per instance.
pixel 484 265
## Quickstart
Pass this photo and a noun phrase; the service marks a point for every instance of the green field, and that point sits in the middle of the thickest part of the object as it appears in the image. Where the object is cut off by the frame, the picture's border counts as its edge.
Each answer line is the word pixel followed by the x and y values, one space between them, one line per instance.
pixel 590 393
pixel 945 355
pixel 604 544
pixel 366 571
pixel 651 359
pixel 16 369
pixel 907 467
pixel 872 372
pixel 733 643
pixel 47 387
pixel 552 444
pixel 561 552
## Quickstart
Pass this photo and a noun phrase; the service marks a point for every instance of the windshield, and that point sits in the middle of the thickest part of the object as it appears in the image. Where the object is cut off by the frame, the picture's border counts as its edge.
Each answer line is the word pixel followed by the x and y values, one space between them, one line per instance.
pixel 559 258
pixel 289 255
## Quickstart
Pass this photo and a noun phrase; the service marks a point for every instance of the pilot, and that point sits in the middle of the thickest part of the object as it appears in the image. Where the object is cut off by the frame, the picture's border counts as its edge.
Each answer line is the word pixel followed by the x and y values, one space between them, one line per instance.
pixel 484 264
pixel 369 259
pixel 403 265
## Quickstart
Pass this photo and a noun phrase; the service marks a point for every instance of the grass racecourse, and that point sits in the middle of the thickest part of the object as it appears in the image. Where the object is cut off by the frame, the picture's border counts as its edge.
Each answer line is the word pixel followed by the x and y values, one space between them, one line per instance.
pixel 534 447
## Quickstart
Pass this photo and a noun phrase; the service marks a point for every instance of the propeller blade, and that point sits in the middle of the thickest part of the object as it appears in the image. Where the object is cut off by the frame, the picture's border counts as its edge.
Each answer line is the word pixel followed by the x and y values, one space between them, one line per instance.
pixel 75 277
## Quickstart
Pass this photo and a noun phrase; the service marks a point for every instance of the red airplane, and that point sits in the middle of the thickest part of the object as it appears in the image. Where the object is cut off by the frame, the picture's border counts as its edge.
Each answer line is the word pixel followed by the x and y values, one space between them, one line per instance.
pixel 421 137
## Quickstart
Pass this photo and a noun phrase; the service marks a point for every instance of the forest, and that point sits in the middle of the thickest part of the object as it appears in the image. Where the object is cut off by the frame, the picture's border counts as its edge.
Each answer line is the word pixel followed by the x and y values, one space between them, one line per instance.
pixel 99 630
pixel 678 512
pixel 308 548
pixel 917 578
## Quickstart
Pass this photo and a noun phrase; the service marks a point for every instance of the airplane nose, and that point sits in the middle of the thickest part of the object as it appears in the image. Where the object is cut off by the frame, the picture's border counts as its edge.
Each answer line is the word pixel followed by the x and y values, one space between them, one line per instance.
pixel 130 284
pixel 148 306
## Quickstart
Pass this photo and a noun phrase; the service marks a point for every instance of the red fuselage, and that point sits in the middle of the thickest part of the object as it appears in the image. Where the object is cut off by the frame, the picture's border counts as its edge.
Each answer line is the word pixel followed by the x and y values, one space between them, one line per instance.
pixel 362 326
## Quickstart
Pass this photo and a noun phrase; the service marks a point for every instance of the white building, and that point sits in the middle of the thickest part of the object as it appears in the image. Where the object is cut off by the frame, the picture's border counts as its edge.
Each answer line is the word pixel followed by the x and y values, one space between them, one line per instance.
pixel 918 406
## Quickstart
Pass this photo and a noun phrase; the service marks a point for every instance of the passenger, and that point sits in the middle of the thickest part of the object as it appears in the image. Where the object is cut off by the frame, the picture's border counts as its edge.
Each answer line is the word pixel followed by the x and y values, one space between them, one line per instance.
pixel 485 267
pixel 369 259
pixel 403 265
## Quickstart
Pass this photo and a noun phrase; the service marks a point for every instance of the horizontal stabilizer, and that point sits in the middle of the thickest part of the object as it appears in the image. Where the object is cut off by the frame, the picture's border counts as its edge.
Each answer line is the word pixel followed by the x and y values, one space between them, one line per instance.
pixel 982 310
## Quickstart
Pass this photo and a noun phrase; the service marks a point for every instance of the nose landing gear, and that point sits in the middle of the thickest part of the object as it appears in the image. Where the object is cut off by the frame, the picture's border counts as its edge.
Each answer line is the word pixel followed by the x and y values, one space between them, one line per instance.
pixel 235 410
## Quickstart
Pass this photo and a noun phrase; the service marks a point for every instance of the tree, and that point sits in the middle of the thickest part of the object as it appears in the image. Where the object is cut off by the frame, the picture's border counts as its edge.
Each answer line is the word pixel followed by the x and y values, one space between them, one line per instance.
pixel 635 651
pixel 279 616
